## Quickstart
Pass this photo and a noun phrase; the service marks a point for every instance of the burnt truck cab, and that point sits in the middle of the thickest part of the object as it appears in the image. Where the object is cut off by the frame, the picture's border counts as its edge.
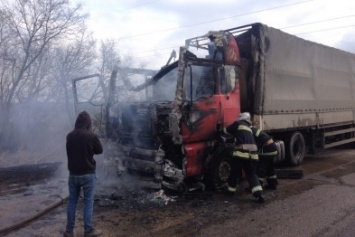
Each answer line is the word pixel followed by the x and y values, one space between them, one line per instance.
pixel 172 143
pixel 168 137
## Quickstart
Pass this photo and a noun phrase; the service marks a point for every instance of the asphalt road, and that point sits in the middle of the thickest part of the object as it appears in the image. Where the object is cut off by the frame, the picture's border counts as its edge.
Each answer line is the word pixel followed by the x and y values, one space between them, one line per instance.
pixel 326 210
pixel 319 204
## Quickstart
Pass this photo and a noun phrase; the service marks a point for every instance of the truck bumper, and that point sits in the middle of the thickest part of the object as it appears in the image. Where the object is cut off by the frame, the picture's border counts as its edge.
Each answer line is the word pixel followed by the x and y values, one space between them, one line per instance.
pixel 152 170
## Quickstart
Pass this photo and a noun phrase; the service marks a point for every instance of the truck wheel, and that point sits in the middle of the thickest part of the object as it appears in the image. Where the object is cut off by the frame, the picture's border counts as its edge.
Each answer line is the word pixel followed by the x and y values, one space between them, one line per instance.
pixel 296 149
pixel 218 171
pixel 281 152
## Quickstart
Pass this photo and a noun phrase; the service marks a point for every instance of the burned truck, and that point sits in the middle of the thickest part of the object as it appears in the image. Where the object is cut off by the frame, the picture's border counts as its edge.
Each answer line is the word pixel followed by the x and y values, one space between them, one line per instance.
pixel 168 136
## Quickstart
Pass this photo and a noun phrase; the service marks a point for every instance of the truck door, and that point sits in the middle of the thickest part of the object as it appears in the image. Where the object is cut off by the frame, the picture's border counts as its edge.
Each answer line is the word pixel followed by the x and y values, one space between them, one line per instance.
pixel 229 93
pixel 202 107
pixel 89 96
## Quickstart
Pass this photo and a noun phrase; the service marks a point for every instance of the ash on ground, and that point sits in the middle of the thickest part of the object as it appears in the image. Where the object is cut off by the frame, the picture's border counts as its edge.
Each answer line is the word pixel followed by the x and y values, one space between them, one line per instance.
pixel 134 199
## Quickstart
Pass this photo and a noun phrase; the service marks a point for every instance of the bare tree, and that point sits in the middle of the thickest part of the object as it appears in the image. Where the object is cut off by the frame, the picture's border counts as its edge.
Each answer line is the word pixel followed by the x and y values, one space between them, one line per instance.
pixel 109 59
pixel 71 61
pixel 29 29
pixel 109 56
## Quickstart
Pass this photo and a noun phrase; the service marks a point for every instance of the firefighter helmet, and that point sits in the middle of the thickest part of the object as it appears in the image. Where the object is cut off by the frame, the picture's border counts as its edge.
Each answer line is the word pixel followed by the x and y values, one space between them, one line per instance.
pixel 245 117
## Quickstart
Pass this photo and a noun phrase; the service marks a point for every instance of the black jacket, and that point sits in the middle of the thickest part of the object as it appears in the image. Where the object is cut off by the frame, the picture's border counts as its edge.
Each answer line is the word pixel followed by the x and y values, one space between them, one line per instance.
pixel 260 136
pixel 81 146
pixel 242 132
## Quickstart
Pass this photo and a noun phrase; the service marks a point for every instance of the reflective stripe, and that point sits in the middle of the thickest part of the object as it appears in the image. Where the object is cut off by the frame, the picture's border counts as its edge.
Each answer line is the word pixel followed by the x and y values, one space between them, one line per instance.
pixel 273 153
pixel 231 189
pixel 254 156
pixel 245 128
pixel 245 155
pixel 246 147
pixel 256 189
pixel 241 154
pixel 272 177
pixel 257 132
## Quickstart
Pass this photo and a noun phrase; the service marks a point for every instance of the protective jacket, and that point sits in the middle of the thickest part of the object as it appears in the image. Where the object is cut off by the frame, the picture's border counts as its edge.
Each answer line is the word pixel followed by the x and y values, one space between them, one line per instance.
pixel 244 140
pixel 265 143
pixel 81 146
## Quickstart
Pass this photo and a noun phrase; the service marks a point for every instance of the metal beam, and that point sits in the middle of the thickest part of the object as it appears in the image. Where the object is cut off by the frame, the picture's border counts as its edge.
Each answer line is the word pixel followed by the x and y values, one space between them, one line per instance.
pixel 342 142
pixel 333 133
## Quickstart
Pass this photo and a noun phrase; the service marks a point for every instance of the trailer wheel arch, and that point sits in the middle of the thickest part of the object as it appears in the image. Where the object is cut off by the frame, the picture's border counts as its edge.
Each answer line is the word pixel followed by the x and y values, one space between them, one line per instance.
pixel 296 149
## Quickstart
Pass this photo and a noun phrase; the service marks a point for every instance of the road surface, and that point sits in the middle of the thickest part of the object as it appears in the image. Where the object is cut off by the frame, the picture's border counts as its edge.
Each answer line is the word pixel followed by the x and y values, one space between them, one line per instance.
pixel 320 204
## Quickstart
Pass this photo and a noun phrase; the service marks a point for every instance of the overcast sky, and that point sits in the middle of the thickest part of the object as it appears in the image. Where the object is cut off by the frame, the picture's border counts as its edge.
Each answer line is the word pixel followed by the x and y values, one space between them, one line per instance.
pixel 149 30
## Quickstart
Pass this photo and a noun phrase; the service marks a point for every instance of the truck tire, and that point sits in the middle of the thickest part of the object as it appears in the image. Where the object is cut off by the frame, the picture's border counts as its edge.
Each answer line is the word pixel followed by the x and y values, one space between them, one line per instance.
pixel 296 149
pixel 218 170
pixel 281 152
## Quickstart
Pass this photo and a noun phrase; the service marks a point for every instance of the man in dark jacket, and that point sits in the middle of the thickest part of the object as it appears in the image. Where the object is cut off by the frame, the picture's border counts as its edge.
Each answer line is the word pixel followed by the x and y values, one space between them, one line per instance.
pixel 267 152
pixel 245 156
pixel 82 144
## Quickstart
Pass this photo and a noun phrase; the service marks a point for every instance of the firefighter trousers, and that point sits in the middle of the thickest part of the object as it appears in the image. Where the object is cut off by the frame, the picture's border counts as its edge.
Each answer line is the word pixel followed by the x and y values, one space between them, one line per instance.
pixel 265 169
pixel 238 165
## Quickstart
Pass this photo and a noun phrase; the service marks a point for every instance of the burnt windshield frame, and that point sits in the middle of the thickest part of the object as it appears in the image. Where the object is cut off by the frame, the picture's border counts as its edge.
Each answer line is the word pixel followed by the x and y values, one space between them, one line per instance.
pixel 165 70
pixel 75 81
pixel 212 64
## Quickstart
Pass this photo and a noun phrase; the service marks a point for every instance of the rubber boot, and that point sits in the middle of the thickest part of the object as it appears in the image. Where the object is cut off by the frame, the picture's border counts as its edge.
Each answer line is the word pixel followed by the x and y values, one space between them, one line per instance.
pixel 271 184
pixel 259 197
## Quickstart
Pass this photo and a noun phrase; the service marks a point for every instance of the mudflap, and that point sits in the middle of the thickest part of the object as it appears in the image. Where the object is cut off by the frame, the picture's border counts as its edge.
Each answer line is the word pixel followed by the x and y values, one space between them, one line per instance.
pixel 289 173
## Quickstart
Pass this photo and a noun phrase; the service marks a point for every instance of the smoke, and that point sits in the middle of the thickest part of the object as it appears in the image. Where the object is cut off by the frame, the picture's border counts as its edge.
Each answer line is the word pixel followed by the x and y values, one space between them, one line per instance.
pixel 38 134
pixel 135 121
pixel 137 85
pixel 39 129
pixel 165 88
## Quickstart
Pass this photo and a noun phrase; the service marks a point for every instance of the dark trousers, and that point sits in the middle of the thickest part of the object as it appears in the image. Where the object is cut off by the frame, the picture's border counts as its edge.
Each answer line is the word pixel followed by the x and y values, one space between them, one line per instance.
pixel 265 169
pixel 249 167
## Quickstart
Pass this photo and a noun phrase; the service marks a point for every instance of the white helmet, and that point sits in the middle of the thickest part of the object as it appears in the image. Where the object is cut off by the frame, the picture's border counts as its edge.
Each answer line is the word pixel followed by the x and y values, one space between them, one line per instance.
pixel 245 117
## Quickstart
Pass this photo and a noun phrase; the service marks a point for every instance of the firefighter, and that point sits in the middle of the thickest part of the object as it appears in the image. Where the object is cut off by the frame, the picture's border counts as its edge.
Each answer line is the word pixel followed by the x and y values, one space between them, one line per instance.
pixel 267 152
pixel 245 157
